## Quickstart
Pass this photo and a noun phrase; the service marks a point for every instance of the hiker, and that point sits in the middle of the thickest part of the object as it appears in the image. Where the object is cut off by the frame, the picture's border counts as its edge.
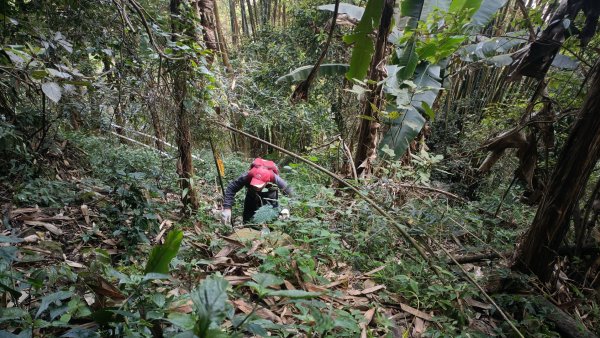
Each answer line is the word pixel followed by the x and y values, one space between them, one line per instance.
pixel 262 184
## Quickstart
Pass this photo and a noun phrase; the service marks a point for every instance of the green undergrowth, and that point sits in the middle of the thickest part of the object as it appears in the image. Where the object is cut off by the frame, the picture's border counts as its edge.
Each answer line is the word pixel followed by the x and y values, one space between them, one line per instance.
pixel 111 274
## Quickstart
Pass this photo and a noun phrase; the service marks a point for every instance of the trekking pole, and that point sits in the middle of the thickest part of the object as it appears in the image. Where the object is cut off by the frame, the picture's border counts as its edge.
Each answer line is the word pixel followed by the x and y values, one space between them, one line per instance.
pixel 220 170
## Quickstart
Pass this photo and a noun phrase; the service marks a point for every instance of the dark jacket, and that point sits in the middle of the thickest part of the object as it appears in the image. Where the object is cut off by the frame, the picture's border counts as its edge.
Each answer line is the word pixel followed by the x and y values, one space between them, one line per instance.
pixel 255 199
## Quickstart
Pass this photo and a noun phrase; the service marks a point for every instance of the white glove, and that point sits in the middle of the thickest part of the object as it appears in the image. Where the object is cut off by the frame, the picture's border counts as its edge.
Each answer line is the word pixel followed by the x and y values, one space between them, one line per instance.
pixel 226 216
pixel 284 214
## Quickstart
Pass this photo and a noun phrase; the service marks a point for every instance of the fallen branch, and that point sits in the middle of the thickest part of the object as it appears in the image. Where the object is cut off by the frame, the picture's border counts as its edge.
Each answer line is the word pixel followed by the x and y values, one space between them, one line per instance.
pixel 564 324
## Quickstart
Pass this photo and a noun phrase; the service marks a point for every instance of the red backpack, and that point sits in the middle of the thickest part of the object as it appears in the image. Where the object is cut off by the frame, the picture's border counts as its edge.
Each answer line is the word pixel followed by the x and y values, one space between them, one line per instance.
pixel 265 164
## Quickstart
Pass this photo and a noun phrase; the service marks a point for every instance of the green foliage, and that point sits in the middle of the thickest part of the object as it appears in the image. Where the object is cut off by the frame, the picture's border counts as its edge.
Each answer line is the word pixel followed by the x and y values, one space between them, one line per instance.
pixel 45 192
pixel 210 302
pixel 364 46
pixel 162 255
pixel 265 214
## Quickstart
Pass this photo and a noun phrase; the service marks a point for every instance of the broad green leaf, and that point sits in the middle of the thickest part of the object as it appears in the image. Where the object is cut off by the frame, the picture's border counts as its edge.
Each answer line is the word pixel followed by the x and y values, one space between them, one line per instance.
pixel 266 279
pixel 294 294
pixel 161 255
pixel 428 111
pixel 564 62
pixel 363 41
pixel 12 313
pixel 265 214
pixel 210 302
pixel 403 131
pixel 15 293
pixel 59 74
pixel 39 74
pixel 407 61
pixel 430 5
pixel 363 50
pixel 485 12
pixel 184 321
pixel 301 73
pixel 412 9
pixel 461 5
pixel 52 91
pixel 352 11
pixel 52 298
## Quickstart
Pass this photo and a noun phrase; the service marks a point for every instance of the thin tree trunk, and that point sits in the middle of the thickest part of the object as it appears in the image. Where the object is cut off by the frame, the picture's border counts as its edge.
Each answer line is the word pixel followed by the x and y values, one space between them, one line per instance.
pixel 252 18
pixel 234 26
pixel 537 250
pixel 185 166
pixel 245 28
pixel 284 16
pixel 257 14
pixel 156 125
pixel 366 149
pixel 222 43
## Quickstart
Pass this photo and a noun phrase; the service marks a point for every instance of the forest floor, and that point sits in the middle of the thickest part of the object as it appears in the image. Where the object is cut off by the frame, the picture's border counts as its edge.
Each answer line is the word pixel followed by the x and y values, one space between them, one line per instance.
pixel 85 230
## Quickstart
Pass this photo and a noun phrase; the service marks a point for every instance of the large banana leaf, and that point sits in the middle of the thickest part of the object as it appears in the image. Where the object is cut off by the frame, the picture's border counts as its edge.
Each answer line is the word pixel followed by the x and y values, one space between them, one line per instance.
pixel 361 37
pixel 485 13
pixel 301 73
pixel 402 131
pixel 496 50
pixel 491 47
pixel 352 11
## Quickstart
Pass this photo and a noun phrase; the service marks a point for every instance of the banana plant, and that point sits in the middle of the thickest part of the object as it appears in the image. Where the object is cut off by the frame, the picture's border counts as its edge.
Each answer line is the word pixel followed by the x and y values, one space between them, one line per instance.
pixel 414 76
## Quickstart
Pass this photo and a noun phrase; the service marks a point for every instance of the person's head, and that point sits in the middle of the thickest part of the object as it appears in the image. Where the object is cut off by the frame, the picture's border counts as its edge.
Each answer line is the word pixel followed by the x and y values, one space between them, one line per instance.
pixel 259 177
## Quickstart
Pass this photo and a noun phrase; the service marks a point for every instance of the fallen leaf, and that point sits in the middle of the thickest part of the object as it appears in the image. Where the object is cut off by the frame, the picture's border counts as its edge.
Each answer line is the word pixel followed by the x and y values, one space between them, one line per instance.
pixel 374 271
pixel 74 264
pixel 289 285
pixel 31 238
pixel 368 316
pixel 182 306
pixel 354 292
pixel 50 227
pixel 225 251
pixel 86 213
pixel 475 303
pixel 237 280
pixel 255 245
pixel 261 312
pixel 415 312
pixel 373 289
pixel 369 283
pixel 101 286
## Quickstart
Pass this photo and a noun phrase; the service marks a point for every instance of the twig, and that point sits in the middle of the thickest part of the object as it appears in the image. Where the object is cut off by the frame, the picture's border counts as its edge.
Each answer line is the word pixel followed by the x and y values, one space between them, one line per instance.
pixel 350 159
pixel 504 196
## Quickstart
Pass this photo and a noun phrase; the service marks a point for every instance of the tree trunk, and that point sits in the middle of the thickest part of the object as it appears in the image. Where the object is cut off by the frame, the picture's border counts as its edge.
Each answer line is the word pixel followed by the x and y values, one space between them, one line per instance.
pixel 185 166
pixel 205 10
pixel 366 149
pixel 245 28
pixel 536 252
pixel 222 43
pixel 252 18
pixel 234 26
pixel 257 16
